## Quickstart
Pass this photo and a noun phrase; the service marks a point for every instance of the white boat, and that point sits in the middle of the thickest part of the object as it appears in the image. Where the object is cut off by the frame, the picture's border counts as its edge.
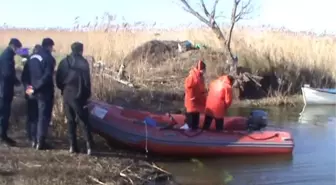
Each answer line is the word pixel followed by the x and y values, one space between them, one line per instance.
pixel 314 96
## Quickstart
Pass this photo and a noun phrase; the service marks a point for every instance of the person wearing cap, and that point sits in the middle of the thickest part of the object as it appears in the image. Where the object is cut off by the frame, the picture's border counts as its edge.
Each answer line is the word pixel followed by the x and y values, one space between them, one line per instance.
pixel 73 79
pixel 219 99
pixel 195 95
pixel 32 107
pixel 41 69
pixel 8 80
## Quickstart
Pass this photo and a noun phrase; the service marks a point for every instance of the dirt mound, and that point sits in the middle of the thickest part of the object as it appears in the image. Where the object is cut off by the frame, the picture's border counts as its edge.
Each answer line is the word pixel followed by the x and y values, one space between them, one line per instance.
pixel 156 52
pixel 153 52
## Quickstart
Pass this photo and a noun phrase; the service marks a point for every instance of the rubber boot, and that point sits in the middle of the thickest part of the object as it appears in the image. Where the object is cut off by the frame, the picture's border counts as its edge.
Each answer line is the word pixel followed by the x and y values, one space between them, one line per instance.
pixel 89 147
pixel 33 142
pixel 89 140
pixel 73 146
pixel 42 145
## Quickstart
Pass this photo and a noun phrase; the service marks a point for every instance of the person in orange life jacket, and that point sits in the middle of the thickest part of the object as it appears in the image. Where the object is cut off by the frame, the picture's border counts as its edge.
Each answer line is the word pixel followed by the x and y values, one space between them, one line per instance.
pixel 218 101
pixel 195 95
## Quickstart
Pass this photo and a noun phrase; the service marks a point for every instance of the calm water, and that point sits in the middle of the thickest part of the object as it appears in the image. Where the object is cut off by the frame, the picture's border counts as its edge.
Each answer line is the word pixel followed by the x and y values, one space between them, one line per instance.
pixel 312 162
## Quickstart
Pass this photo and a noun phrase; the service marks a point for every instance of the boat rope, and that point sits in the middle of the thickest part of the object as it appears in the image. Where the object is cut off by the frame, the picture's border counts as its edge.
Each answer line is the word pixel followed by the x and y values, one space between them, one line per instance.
pixel 240 133
pixel 265 138
pixel 146 139
pixel 170 126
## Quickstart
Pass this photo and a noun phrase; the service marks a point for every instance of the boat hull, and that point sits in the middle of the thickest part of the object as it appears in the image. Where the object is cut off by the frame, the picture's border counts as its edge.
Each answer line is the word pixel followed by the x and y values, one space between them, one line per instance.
pixel 175 141
pixel 313 96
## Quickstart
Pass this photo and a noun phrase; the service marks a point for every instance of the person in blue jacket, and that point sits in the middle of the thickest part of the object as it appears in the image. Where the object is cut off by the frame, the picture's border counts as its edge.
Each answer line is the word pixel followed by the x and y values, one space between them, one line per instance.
pixel 41 69
pixel 8 80
pixel 32 108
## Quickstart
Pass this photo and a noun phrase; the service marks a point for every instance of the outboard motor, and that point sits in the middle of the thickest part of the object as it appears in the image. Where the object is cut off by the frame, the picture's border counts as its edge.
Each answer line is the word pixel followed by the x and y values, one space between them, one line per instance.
pixel 257 120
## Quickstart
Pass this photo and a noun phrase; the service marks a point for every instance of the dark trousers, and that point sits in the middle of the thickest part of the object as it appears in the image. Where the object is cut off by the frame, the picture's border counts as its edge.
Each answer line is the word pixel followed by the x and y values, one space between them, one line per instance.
pixel 75 109
pixel 219 123
pixel 32 118
pixel 192 119
pixel 45 107
pixel 5 112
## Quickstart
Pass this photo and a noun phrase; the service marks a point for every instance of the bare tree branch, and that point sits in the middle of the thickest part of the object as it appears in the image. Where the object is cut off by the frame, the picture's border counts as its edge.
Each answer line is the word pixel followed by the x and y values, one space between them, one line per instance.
pixel 213 13
pixel 205 9
pixel 188 8
pixel 239 11
pixel 235 17
pixel 208 20
pixel 245 9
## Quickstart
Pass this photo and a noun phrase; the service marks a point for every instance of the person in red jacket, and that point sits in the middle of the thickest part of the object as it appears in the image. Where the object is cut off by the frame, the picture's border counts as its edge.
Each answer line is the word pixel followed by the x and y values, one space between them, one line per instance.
pixel 195 95
pixel 218 101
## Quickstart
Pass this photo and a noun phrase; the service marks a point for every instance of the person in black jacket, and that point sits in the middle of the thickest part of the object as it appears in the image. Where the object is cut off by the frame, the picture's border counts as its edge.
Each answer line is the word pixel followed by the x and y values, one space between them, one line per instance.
pixel 32 106
pixel 73 79
pixel 41 69
pixel 8 80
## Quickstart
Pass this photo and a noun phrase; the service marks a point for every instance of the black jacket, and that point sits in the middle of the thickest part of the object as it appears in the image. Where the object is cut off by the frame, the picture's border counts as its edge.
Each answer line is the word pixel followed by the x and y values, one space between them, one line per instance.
pixel 73 77
pixel 41 69
pixel 7 73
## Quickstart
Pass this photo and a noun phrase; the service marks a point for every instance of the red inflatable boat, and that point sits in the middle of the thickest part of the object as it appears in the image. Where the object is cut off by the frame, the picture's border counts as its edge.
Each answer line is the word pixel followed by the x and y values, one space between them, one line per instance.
pixel 161 134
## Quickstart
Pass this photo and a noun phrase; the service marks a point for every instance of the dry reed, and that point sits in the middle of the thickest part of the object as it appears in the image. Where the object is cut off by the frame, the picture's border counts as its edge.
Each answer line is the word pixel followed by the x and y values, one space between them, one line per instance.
pixel 304 56
pixel 280 46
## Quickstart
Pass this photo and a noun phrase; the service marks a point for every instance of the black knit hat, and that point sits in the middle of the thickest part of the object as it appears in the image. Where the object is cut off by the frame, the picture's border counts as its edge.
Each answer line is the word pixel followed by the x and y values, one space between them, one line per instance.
pixel 37 48
pixel 15 42
pixel 46 42
pixel 77 47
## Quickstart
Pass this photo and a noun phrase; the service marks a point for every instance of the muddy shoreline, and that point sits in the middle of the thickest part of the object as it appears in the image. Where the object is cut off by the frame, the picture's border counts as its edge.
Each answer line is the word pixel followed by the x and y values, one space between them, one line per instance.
pixel 108 165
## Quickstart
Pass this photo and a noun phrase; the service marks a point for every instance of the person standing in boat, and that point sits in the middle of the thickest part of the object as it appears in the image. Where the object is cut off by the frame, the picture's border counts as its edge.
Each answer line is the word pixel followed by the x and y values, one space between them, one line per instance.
pixel 195 95
pixel 218 101
pixel 73 79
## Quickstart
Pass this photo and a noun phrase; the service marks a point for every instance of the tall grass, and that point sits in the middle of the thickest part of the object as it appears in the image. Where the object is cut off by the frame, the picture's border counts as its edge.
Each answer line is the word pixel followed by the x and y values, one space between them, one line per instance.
pixel 299 57
pixel 280 46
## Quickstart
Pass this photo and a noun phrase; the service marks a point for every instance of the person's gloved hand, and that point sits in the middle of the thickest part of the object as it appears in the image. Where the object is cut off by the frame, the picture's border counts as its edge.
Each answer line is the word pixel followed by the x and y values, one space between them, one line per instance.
pixel 29 90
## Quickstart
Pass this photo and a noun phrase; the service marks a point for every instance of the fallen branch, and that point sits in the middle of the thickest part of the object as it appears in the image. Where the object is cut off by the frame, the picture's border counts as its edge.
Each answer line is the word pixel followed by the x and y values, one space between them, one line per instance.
pixel 160 169
pixel 30 165
pixel 97 180
pixel 124 82
pixel 122 174
pixel 252 79
pixel 116 76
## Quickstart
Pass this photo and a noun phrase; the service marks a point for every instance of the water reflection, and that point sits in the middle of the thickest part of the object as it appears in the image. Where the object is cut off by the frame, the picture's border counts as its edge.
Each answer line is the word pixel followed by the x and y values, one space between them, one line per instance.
pixel 317 114
pixel 312 162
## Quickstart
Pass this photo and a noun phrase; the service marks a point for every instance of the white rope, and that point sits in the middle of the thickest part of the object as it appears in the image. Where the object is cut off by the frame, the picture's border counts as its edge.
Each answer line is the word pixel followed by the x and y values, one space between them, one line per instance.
pixel 146 135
